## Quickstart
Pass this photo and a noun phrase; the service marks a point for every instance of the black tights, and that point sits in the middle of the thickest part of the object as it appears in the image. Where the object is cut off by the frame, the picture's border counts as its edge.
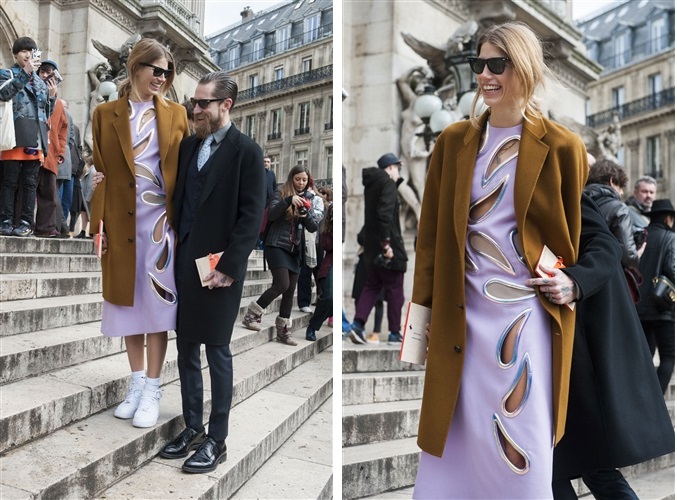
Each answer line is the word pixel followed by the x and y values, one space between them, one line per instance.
pixel 284 283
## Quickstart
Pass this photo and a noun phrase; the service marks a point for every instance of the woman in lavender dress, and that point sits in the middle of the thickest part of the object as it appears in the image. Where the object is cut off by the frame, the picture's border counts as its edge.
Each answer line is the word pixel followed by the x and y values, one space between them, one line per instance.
pixel 136 145
pixel 500 187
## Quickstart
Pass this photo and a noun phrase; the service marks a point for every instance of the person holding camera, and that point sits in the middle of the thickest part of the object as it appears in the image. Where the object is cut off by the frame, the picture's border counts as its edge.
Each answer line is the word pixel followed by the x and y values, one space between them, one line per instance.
pixel 291 212
pixel 33 101
pixel 384 254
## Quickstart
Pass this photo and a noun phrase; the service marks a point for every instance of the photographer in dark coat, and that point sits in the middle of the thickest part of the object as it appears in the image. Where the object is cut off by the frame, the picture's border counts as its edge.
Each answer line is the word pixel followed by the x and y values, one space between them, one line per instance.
pixel 384 253
pixel 659 323
pixel 617 415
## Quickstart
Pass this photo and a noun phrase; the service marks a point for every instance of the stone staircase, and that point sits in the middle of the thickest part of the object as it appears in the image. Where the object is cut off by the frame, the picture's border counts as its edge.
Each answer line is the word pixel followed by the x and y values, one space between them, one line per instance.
pixel 60 381
pixel 381 402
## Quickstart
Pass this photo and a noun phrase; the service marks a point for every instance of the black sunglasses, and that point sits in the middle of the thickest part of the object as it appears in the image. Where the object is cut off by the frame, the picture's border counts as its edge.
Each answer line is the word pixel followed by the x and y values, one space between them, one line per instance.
pixel 157 71
pixel 496 64
pixel 203 103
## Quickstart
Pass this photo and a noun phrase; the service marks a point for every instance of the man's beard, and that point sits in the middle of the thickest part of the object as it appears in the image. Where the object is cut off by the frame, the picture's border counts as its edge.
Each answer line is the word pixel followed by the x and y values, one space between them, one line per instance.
pixel 206 127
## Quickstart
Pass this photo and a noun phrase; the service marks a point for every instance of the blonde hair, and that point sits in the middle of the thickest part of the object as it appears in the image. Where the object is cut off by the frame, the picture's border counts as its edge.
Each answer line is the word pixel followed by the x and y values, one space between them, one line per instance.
pixel 147 51
pixel 523 48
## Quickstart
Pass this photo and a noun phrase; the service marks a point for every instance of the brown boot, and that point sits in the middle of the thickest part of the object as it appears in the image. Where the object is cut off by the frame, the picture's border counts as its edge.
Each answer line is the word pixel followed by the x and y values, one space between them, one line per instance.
pixel 283 325
pixel 252 318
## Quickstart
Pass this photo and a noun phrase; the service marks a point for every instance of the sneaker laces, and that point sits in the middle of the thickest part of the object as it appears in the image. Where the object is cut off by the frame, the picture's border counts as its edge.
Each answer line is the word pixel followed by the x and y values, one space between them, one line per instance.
pixel 149 400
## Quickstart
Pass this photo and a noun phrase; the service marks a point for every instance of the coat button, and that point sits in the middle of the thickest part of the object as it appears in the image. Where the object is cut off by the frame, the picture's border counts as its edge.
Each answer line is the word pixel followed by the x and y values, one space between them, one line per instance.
pixel 460 306
pixel 132 184
pixel 130 213
pixel 457 348
pixel 131 240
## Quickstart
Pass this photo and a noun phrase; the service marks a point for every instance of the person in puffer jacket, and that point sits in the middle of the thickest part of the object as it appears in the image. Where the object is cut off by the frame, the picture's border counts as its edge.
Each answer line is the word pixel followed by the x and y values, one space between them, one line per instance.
pixel 291 212
pixel 605 185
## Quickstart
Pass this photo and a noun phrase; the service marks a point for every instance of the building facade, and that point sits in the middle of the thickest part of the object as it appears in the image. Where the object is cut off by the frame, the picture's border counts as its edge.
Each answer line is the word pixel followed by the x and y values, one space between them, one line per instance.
pixel 64 30
pixel 634 42
pixel 281 59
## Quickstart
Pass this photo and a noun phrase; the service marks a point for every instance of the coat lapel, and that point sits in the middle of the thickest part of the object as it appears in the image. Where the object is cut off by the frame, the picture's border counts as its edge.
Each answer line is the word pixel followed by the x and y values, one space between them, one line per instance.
pixel 465 162
pixel 185 155
pixel 124 131
pixel 530 160
pixel 164 128
pixel 221 160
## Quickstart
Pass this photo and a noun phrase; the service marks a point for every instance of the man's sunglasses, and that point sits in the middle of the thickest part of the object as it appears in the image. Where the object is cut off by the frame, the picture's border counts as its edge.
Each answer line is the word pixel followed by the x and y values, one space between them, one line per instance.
pixel 496 64
pixel 157 71
pixel 204 103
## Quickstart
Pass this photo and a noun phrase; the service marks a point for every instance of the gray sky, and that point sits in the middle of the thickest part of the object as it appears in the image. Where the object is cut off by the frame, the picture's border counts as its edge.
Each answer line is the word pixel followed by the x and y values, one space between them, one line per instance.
pixel 222 13
pixel 581 8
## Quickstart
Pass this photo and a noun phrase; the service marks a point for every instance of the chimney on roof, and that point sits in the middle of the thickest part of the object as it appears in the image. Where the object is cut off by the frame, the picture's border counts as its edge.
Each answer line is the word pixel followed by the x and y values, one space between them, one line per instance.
pixel 247 13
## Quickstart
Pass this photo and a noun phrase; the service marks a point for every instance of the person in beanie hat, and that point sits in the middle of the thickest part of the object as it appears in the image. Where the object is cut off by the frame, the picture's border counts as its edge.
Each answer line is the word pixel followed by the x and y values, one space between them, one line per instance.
pixel 32 103
pixel 384 254
pixel 659 259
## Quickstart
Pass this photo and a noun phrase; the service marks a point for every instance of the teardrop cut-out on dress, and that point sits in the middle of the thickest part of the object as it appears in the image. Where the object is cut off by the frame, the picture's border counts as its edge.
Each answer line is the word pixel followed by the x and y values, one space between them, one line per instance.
pixel 517 396
pixel 482 208
pixel 505 292
pixel 503 154
pixel 507 348
pixel 163 293
pixel 486 247
pixel 503 440
pixel 146 173
pixel 153 199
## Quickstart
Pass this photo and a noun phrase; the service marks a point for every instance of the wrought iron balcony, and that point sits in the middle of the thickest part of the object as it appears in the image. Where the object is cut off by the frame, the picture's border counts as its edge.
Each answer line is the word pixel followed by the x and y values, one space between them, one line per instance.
pixel 302 131
pixel 274 136
pixel 286 83
pixel 329 126
pixel 633 108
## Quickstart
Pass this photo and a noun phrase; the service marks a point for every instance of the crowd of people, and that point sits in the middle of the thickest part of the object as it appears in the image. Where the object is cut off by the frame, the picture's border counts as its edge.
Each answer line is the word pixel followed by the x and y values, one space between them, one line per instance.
pixel 40 178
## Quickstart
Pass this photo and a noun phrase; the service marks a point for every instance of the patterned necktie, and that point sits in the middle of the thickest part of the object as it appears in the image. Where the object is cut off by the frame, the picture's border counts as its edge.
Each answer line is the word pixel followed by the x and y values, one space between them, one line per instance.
pixel 203 156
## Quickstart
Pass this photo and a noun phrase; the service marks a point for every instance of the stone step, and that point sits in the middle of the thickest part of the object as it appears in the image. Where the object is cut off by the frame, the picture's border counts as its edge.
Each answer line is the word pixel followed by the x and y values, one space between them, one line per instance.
pixel 35 406
pixel 32 315
pixel 43 285
pixel 301 467
pixel 85 458
pixel 12 244
pixel 32 353
pixel 374 358
pixel 374 468
pixel 20 263
pixel 658 485
pixel 380 387
pixel 377 422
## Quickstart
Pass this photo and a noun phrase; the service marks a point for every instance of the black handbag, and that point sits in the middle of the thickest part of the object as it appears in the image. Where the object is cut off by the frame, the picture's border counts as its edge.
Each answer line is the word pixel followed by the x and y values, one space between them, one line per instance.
pixel 662 292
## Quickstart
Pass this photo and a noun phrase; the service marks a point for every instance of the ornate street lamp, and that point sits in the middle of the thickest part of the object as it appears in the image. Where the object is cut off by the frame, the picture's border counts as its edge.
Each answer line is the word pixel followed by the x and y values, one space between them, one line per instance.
pixel 108 90
pixel 425 107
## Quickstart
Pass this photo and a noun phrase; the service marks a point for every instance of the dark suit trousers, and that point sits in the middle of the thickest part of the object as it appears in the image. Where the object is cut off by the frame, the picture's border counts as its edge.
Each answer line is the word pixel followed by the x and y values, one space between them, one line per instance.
pixel 48 199
pixel 605 484
pixel 220 362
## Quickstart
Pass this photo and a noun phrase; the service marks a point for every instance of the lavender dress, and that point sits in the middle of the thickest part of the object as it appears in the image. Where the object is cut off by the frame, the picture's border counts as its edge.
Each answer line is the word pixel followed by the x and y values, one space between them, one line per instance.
pixel 505 398
pixel 154 308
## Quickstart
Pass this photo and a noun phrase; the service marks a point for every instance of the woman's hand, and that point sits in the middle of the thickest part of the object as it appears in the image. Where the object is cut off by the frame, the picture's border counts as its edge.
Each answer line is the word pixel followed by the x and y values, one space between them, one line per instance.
pixel 559 289
pixel 97 178
pixel 104 244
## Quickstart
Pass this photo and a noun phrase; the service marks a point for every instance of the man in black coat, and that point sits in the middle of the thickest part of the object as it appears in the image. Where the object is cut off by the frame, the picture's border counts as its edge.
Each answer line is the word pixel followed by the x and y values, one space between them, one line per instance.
pixel 219 202
pixel 616 415
pixel 384 254
pixel 659 259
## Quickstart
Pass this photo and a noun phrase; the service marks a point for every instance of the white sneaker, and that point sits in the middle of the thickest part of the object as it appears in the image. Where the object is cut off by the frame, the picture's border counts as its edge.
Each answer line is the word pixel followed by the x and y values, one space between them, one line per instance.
pixel 128 407
pixel 149 408
pixel 305 309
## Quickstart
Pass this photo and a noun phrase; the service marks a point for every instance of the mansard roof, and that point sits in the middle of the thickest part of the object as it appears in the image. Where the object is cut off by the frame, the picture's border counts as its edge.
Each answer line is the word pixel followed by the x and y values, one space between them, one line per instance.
pixel 604 23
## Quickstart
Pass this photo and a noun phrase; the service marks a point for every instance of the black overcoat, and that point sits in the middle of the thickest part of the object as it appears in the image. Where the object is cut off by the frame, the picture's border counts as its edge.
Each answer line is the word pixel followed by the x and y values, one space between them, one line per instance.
pixel 227 218
pixel 617 415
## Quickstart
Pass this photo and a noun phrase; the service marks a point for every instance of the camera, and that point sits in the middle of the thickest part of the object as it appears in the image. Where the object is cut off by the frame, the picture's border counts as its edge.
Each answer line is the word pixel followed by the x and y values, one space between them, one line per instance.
pixel 640 236
pixel 303 210
pixel 36 54
pixel 381 261
pixel 56 76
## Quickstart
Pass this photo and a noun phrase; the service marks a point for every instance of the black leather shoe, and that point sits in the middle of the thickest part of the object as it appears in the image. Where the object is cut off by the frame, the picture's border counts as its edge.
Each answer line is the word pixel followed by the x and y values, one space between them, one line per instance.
pixel 207 457
pixel 310 334
pixel 187 441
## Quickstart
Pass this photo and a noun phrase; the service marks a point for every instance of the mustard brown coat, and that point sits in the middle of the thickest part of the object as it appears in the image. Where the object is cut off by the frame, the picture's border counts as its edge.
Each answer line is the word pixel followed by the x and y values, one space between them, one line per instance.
pixel 551 172
pixel 114 199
